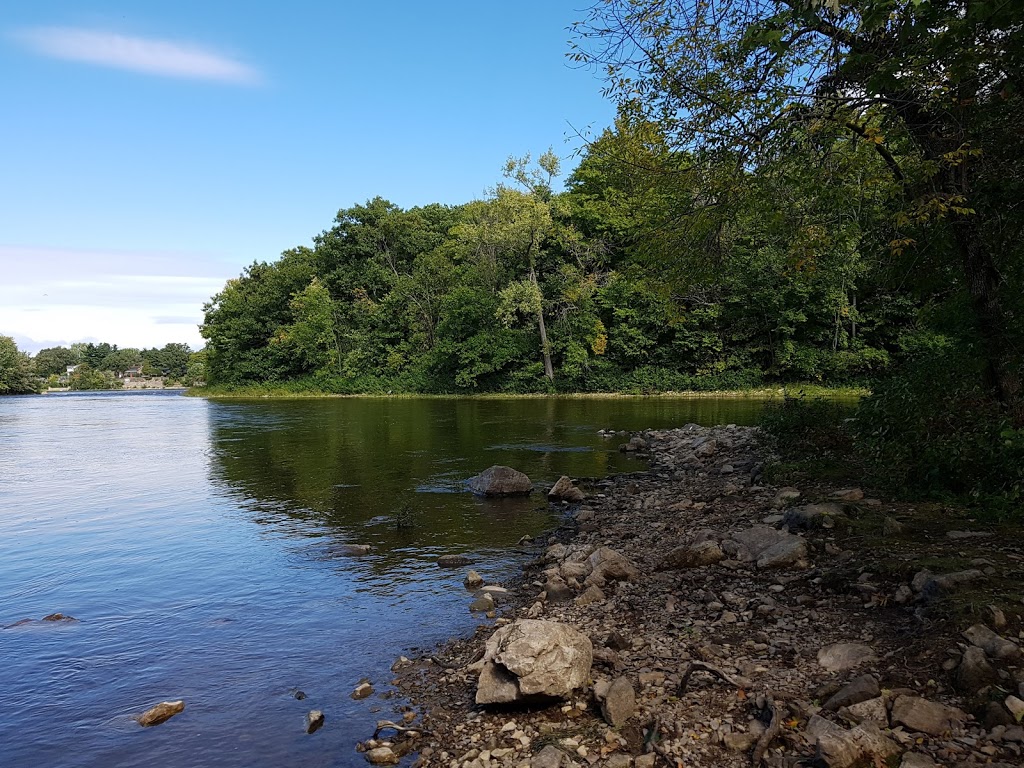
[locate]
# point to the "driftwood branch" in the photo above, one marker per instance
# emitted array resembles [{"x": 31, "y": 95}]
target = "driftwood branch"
[
  {"x": 700, "y": 666},
  {"x": 383, "y": 725},
  {"x": 774, "y": 729}
]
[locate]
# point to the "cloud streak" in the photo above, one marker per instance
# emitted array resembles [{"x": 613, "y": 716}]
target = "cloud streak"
[{"x": 137, "y": 54}]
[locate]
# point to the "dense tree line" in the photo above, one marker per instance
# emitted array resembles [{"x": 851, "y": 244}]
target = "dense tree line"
[
  {"x": 95, "y": 366},
  {"x": 532, "y": 290}
]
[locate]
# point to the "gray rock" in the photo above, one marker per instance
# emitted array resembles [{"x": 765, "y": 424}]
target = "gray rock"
[
  {"x": 549, "y": 757},
  {"x": 739, "y": 741},
  {"x": 573, "y": 570},
  {"x": 917, "y": 760},
  {"x": 454, "y": 561},
  {"x": 872, "y": 710},
  {"x": 544, "y": 659},
  {"x": 995, "y": 715},
  {"x": 791, "y": 552},
  {"x": 917, "y": 714},
  {"x": 161, "y": 713},
  {"x": 1016, "y": 707},
  {"x": 482, "y": 604},
  {"x": 314, "y": 720},
  {"x": 848, "y": 494},
  {"x": 840, "y": 657},
  {"x": 995, "y": 646},
  {"x": 564, "y": 490},
  {"x": 362, "y": 690},
  {"x": 784, "y": 496},
  {"x": 355, "y": 550},
  {"x": 496, "y": 685},
  {"x": 591, "y": 594},
  {"x": 473, "y": 580},
  {"x": 382, "y": 756},
  {"x": 558, "y": 591},
  {"x": 753, "y": 541},
  {"x": 500, "y": 481},
  {"x": 861, "y": 689},
  {"x": 961, "y": 535},
  {"x": 608, "y": 565},
  {"x": 619, "y": 703},
  {"x": 693, "y": 556},
  {"x": 863, "y": 745},
  {"x": 892, "y": 527},
  {"x": 921, "y": 578},
  {"x": 945, "y": 583},
  {"x": 974, "y": 671},
  {"x": 813, "y": 516}
]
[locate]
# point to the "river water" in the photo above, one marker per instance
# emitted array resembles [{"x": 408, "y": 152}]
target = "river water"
[{"x": 199, "y": 545}]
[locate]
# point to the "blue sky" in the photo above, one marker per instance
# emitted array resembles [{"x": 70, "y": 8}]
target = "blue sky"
[{"x": 151, "y": 150}]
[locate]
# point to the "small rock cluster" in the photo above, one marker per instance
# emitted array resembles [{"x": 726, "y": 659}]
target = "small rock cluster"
[{"x": 692, "y": 615}]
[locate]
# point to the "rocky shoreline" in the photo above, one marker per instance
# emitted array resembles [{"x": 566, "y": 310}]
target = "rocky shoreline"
[{"x": 721, "y": 621}]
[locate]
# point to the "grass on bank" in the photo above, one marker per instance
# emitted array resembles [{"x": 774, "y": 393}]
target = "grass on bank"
[{"x": 298, "y": 390}]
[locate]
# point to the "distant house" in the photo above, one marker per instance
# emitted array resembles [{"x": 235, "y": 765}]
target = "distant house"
[
  {"x": 134, "y": 372},
  {"x": 71, "y": 369}
]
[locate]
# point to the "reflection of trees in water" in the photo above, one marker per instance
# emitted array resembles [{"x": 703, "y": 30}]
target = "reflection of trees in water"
[{"x": 349, "y": 469}]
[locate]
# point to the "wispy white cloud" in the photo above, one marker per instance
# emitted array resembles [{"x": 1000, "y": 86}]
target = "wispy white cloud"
[
  {"x": 138, "y": 54},
  {"x": 134, "y": 299}
]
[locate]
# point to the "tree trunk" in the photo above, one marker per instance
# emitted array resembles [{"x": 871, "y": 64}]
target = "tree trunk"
[
  {"x": 983, "y": 286},
  {"x": 549, "y": 371}
]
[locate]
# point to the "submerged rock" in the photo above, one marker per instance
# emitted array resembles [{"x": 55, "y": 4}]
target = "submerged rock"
[
  {"x": 500, "y": 481},
  {"x": 355, "y": 550},
  {"x": 162, "y": 712},
  {"x": 454, "y": 561}
]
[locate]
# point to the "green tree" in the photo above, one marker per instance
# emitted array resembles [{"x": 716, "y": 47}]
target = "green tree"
[
  {"x": 120, "y": 360},
  {"x": 15, "y": 369},
  {"x": 54, "y": 361},
  {"x": 931, "y": 87}
]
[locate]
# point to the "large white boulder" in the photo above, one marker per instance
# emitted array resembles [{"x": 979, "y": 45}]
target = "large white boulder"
[{"x": 533, "y": 659}]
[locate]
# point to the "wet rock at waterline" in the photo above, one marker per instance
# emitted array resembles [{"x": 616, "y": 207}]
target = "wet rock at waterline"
[
  {"x": 473, "y": 580},
  {"x": 314, "y": 720},
  {"x": 531, "y": 659},
  {"x": 500, "y": 481},
  {"x": 454, "y": 561},
  {"x": 382, "y": 756},
  {"x": 564, "y": 490},
  {"x": 355, "y": 550},
  {"x": 362, "y": 690},
  {"x": 161, "y": 713}
]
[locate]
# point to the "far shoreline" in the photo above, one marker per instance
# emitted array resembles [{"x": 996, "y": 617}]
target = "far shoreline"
[{"x": 761, "y": 393}]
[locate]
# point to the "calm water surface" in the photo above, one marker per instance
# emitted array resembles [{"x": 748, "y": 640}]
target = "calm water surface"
[{"x": 199, "y": 544}]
